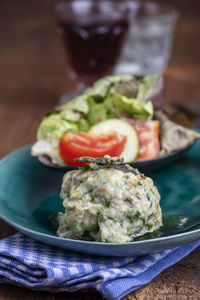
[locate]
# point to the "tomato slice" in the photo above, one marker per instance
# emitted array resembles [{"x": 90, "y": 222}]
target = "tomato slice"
[
  {"x": 76, "y": 144},
  {"x": 148, "y": 135}
]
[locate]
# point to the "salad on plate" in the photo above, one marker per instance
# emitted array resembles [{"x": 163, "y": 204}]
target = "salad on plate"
[{"x": 117, "y": 116}]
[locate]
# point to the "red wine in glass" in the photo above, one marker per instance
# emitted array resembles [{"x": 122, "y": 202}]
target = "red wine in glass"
[
  {"x": 92, "y": 32},
  {"x": 92, "y": 46}
]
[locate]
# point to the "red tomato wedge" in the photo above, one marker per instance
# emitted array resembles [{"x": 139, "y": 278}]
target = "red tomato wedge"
[
  {"x": 76, "y": 144},
  {"x": 148, "y": 135}
]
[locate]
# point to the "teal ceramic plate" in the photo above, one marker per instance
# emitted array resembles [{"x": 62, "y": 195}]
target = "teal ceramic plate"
[{"x": 29, "y": 194}]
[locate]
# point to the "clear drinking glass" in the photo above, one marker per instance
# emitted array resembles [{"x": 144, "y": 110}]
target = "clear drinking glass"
[
  {"x": 92, "y": 33},
  {"x": 148, "y": 43}
]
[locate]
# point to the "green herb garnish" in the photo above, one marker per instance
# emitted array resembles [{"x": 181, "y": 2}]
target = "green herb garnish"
[{"x": 106, "y": 162}]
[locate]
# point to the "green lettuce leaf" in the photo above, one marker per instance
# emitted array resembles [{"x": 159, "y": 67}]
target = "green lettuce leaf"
[
  {"x": 83, "y": 125},
  {"x": 127, "y": 88},
  {"x": 146, "y": 86},
  {"x": 78, "y": 104},
  {"x": 53, "y": 127},
  {"x": 107, "y": 98},
  {"x": 70, "y": 115},
  {"x": 133, "y": 107},
  {"x": 101, "y": 87},
  {"x": 114, "y": 94},
  {"x": 98, "y": 112}
]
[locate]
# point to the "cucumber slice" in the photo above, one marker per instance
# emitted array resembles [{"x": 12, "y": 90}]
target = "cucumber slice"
[{"x": 122, "y": 128}]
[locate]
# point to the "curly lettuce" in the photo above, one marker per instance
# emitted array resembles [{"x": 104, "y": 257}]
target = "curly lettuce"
[
  {"x": 53, "y": 127},
  {"x": 107, "y": 98},
  {"x": 174, "y": 137}
]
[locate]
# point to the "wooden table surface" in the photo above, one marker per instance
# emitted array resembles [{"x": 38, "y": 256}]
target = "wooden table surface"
[{"x": 33, "y": 75}]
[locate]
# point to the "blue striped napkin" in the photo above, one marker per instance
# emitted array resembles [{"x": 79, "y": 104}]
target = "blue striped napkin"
[{"x": 29, "y": 263}]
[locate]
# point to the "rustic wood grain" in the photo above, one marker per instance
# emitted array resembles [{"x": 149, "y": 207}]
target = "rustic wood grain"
[{"x": 33, "y": 75}]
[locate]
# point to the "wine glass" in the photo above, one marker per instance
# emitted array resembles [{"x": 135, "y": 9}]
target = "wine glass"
[{"x": 92, "y": 33}]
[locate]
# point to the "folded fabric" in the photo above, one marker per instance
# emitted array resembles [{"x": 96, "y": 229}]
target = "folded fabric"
[{"x": 32, "y": 264}]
